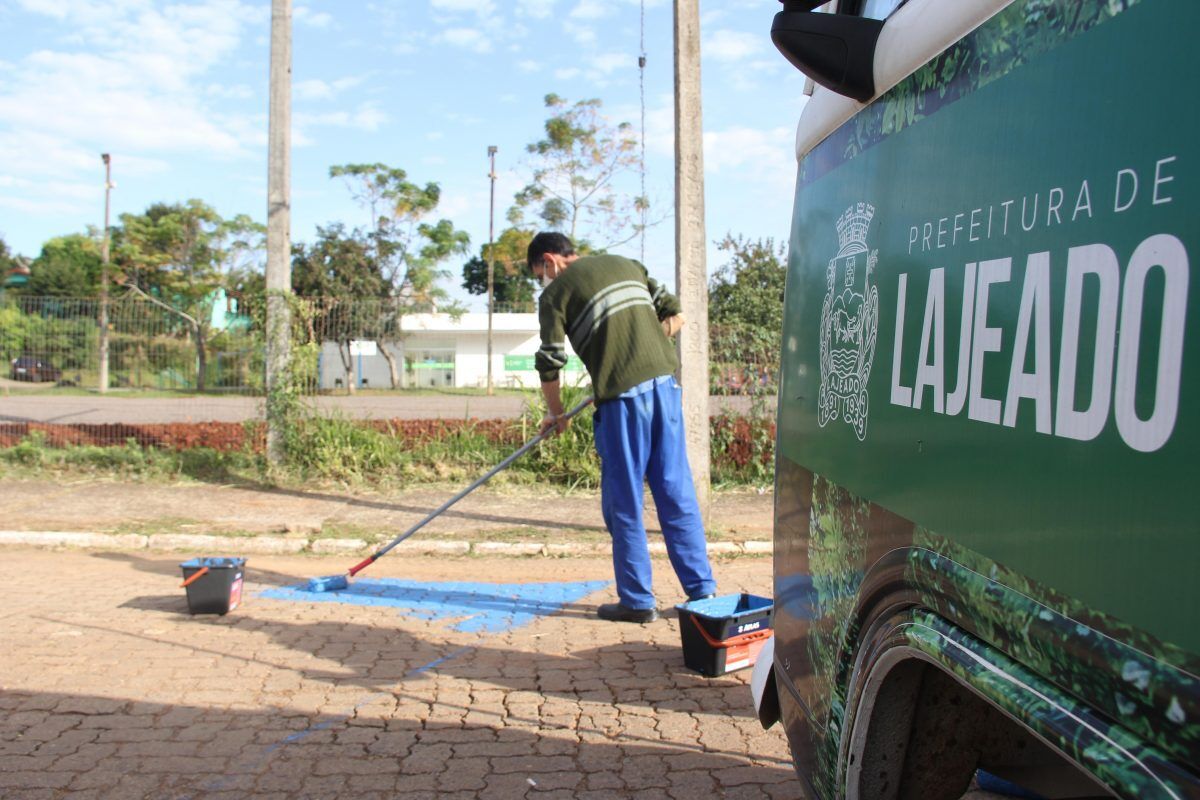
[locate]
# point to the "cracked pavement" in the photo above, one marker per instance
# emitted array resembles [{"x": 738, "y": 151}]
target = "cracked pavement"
[{"x": 108, "y": 688}]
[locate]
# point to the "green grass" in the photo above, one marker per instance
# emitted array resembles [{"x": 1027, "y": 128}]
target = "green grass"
[
  {"x": 34, "y": 457},
  {"x": 336, "y": 451}
]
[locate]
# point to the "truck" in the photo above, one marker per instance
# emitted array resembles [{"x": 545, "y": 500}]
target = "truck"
[{"x": 986, "y": 555}]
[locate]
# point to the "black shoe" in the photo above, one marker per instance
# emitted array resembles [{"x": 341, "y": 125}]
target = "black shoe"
[
  {"x": 708, "y": 596},
  {"x": 615, "y": 612}
]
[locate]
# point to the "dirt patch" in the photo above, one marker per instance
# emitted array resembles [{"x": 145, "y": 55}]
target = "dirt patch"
[{"x": 503, "y": 513}]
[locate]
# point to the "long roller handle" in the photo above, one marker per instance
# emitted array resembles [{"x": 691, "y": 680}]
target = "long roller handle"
[{"x": 525, "y": 448}]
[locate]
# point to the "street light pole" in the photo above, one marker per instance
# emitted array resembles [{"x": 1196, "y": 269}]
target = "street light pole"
[
  {"x": 491, "y": 262},
  {"x": 103, "y": 377}
]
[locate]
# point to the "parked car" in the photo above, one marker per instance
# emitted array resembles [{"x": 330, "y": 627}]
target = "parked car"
[
  {"x": 986, "y": 552},
  {"x": 35, "y": 370}
]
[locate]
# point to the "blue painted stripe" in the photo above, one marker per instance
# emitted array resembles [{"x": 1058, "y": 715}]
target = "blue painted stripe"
[{"x": 477, "y": 607}]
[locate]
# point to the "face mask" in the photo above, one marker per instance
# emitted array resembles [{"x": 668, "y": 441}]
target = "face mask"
[{"x": 546, "y": 279}]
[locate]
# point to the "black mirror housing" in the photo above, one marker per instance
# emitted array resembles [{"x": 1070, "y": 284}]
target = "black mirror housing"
[{"x": 835, "y": 50}]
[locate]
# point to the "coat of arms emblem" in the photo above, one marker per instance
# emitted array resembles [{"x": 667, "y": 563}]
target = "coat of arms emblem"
[{"x": 849, "y": 321}]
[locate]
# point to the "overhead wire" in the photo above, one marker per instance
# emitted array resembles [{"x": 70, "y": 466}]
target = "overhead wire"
[{"x": 642, "y": 202}]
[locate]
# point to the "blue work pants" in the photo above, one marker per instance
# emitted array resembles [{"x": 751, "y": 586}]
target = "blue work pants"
[{"x": 640, "y": 438}]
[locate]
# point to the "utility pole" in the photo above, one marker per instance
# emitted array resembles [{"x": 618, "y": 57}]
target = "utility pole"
[
  {"x": 491, "y": 262},
  {"x": 279, "y": 275},
  {"x": 103, "y": 378},
  {"x": 691, "y": 274}
]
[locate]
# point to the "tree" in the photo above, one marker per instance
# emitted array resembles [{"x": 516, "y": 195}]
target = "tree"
[
  {"x": 68, "y": 266},
  {"x": 341, "y": 275},
  {"x": 180, "y": 255},
  {"x": 745, "y": 315},
  {"x": 406, "y": 248},
  {"x": 7, "y": 260},
  {"x": 575, "y": 172},
  {"x": 512, "y": 282}
]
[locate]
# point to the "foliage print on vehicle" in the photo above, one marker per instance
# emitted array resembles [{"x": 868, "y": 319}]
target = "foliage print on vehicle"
[
  {"x": 837, "y": 547},
  {"x": 1106, "y": 749},
  {"x": 1015, "y": 36},
  {"x": 1147, "y": 684},
  {"x": 849, "y": 323},
  {"x": 969, "y": 604}
]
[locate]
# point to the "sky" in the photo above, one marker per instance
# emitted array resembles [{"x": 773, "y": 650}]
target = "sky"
[{"x": 176, "y": 92}]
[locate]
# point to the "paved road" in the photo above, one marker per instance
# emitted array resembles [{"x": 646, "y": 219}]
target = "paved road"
[
  {"x": 32, "y": 407},
  {"x": 108, "y": 689}
]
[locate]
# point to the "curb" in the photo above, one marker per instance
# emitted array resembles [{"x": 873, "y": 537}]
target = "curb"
[{"x": 295, "y": 545}]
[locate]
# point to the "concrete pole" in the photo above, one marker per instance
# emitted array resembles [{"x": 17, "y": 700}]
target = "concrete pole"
[
  {"x": 691, "y": 274},
  {"x": 104, "y": 257},
  {"x": 279, "y": 273},
  {"x": 491, "y": 261}
]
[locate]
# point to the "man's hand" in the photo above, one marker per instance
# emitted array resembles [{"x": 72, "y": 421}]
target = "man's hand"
[
  {"x": 560, "y": 423},
  {"x": 672, "y": 325},
  {"x": 555, "y": 414}
]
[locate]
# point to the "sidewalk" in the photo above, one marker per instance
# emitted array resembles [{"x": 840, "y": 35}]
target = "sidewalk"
[
  {"x": 502, "y": 520},
  {"x": 109, "y": 689}
]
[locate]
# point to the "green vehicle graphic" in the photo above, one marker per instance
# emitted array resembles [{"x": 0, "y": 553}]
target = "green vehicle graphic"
[{"x": 986, "y": 551}]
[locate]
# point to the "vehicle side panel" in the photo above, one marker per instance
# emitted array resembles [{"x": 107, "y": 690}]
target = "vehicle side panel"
[{"x": 989, "y": 356}]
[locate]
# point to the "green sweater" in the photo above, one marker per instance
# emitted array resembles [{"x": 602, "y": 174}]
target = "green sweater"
[{"x": 610, "y": 309}]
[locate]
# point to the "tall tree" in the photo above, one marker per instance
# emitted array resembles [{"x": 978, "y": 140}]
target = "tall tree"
[
  {"x": 510, "y": 289},
  {"x": 179, "y": 255},
  {"x": 6, "y": 258},
  {"x": 339, "y": 272},
  {"x": 68, "y": 266},
  {"x": 576, "y": 171},
  {"x": 746, "y": 314},
  {"x": 407, "y": 248}
]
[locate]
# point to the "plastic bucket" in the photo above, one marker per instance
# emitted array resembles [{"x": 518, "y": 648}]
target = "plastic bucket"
[
  {"x": 214, "y": 585},
  {"x": 724, "y": 634}
]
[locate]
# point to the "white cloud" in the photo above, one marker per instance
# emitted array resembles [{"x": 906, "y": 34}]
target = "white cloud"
[
  {"x": 467, "y": 38},
  {"x": 312, "y": 19},
  {"x": 485, "y": 10},
  {"x": 367, "y": 117},
  {"x": 239, "y": 91},
  {"x": 567, "y": 73},
  {"x": 583, "y": 34},
  {"x": 609, "y": 63},
  {"x": 133, "y": 81},
  {"x": 769, "y": 154},
  {"x": 591, "y": 9},
  {"x": 529, "y": 66},
  {"x": 727, "y": 45},
  {"x": 316, "y": 89},
  {"x": 538, "y": 9},
  {"x": 312, "y": 90}
]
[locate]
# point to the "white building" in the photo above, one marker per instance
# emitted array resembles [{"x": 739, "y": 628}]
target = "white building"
[{"x": 437, "y": 351}]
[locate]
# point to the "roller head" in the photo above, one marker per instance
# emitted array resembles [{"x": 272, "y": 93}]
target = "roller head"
[{"x": 329, "y": 583}]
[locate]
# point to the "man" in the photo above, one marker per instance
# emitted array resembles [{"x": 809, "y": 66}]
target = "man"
[{"x": 619, "y": 322}]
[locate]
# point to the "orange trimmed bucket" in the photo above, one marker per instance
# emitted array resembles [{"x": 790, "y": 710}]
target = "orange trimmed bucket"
[
  {"x": 724, "y": 634},
  {"x": 214, "y": 585}
]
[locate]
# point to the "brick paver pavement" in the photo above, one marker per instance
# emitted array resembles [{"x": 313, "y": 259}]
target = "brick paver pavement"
[{"x": 109, "y": 689}]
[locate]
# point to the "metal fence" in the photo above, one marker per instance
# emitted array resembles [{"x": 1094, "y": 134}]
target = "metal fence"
[{"x": 204, "y": 365}]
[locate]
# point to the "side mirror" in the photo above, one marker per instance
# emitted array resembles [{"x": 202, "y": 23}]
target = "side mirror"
[{"x": 835, "y": 50}]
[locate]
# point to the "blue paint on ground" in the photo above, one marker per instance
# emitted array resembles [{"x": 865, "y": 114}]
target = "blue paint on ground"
[{"x": 478, "y": 607}]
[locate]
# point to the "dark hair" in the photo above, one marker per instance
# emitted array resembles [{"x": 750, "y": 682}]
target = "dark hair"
[{"x": 548, "y": 242}]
